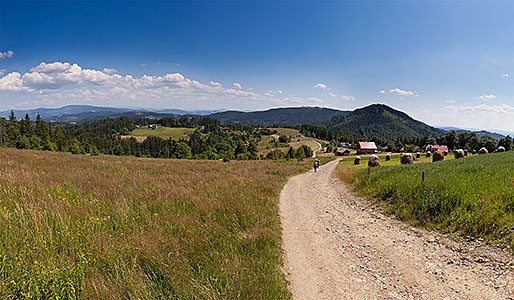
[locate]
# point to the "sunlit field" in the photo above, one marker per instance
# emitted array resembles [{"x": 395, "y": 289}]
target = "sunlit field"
[
  {"x": 75, "y": 226},
  {"x": 471, "y": 196}
]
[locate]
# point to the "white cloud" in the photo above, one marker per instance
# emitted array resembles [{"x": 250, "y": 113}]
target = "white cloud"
[
  {"x": 7, "y": 54},
  {"x": 314, "y": 99},
  {"x": 449, "y": 101},
  {"x": 506, "y": 75},
  {"x": 110, "y": 71},
  {"x": 496, "y": 110},
  {"x": 488, "y": 97},
  {"x": 214, "y": 83},
  {"x": 12, "y": 82},
  {"x": 280, "y": 92},
  {"x": 382, "y": 92},
  {"x": 397, "y": 91},
  {"x": 237, "y": 85},
  {"x": 320, "y": 86},
  {"x": 347, "y": 98},
  {"x": 2, "y": 71},
  {"x": 332, "y": 94}
]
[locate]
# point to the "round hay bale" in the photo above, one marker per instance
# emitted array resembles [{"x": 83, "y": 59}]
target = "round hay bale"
[
  {"x": 357, "y": 160},
  {"x": 418, "y": 155},
  {"x": 438, "y": 155},
  {"x": 483, "y": 150},
  {"x": 407, "y": 158},
  {"x": 459, "y": 153},
  {"x": 374, "y": 161},
  {"x": 428, "y": 154},
  {"x": 474, "y": 151},
  {"x": 465, "y": 152},
  {"x": 501, "y": 149},
  {"x": 388, "y": 156}
]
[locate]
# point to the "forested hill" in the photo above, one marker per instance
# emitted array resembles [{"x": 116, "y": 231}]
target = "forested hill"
[
  {"x": 279, "y": 116},
  {"x": 381, "y": 121}
]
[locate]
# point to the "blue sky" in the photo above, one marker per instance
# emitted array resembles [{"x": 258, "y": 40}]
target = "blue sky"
[{"x": 443, "y": 62}]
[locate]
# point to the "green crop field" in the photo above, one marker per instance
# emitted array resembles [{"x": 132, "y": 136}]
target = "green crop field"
[
  {"x": 76, "y": 226},
  {"x": 473, "y": 196},
  {"x": 162, "y": 132}
]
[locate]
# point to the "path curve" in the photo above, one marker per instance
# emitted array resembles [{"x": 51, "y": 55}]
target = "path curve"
[
  {"x": 336, "y": 246},
  {"x": 319, "y": 148}
]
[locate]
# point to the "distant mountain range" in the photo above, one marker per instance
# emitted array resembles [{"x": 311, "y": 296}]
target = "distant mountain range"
[
  {"x": 375, "y": 120},
  {"x": 279, "y": 116},
  {"x": 480, "y": 133}
]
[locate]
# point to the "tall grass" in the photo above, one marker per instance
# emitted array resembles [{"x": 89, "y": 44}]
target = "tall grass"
[
  {"x": 73, "y": 226},
  {"x": 473, "y": 196}
]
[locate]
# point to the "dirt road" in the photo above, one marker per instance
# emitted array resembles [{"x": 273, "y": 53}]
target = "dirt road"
[{"x": 339, "y": 247}]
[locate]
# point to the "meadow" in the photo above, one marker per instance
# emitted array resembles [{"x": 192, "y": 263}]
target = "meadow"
[
  {"x": 472, "y": 196},
  {"x": 163, "y": 132},
  {"x": 296, "y": 140},
  {"x": 82, "y": 227}
]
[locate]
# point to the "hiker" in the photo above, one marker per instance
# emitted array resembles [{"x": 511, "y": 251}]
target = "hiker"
[{"x": 316, "y": 165}]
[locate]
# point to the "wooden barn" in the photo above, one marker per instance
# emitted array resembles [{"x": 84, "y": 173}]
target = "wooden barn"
[
  {"x": 342, "y": 152},
  {"x": 366, "y": 148}
]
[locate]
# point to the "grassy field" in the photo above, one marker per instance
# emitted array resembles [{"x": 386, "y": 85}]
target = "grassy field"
[
  {"x": 163, "y": 132},
  {"x": 296, "y": 140},
  {"x": 395, "y": 160},
  {"x": 473, "y": 196},
  {"x": 75, "y": 226}
]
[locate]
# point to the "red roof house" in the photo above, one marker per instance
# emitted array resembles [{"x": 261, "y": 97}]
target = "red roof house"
[
  {"x": 442, "y": 148},
  {"x": 366, "y": 147}
]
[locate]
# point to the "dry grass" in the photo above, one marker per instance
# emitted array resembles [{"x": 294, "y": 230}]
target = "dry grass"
[{"x": 76, "y": 226}]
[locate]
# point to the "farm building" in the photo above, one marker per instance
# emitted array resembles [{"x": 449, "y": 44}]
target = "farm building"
[
  {"x": 366, "y": 147},
  {"x": 153, "y": 126},
  {"x": 442, "y": 148},
  {"x": 342, "y": 152},
  {"x": 345, "y": 144}
]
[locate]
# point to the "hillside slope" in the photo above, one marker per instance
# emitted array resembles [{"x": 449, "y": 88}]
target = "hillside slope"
[
  {"x": 382, "y": 121},
  {"x": 278, "y": 116}
]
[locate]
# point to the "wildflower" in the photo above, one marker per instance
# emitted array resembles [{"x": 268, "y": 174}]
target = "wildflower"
[{"x": 155, "y": 214}]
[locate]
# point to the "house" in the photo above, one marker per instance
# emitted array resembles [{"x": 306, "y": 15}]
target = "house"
[
  {"x": 366, "y": 147},
  {"x": 342, "y": 152},
  {"x": 226, "y": 128},
  {"x": 345, "y": 144},
  {"x": 153, "y": 126},
  {"x": 442, "y": 148}
]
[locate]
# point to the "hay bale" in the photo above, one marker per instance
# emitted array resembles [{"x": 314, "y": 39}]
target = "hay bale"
[
  {"x": 483, "y": 150},
  {"x": 374, "y": 161},
  {"x": 418, "y": 155},
  {"x": 445, "y": 153},
  {"x": 459, "y": 153},
  {"x": 407, "y": 158},
  {"x": 428, "y": 154},
  {"x": 465, "y": 152},
  {"x": 501, "y": 149},
  {"x": 438, "y": 155},
  {"x": 388, "y": 157},
  {"x": 474, "y": 151},
  {"x": 357, "y": 160}
]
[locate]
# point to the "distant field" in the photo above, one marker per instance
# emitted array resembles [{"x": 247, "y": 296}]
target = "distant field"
[
  {"x": 395, "y": 160},
  {"x": 473, "y": 196},
  {"x": 75, "y": 226},
  {"x": 163, "y": 132},
  {"x": 296, "y": 142}
]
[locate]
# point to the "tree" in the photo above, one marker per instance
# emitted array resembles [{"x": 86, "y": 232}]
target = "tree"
[
  {"x": 75, "y": 147},
  {"x": 181, "y": 151},
  {"x": 290, "y": 153},
  {"x": 300, "y": 153},
  {"x": 284, "y": 139},
  {"x": 506, "y": 142},
  {"x": 488, "y": 142},
  {"x": 450, "y": 138},
  {"x": 118, "y": 150}
]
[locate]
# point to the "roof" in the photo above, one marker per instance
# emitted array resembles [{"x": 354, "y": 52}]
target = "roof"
[
  {"x": 442, "y": 148},
  {"x": 367, "y": 145},
  {"x": 342, "y": 150}
]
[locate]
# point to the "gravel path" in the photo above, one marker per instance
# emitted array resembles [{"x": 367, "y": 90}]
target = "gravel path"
[{"x": 337, "y": 246}]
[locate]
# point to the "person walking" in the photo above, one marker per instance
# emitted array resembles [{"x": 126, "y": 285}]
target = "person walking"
[{"x": 316, "y": 165}]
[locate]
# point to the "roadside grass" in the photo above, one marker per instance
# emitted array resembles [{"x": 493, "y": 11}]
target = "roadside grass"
[
  {"x": 473, "y": 196},
  {"x": 80, "y": 227},
  {"x": 162, "y": 132}
]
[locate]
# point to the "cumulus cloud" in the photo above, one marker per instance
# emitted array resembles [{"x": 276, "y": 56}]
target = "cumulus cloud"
[
  {"x": 398, "y": 91},
  {"x": 314, "y": 99},
  {"x": 63, "y": 82},
  {"x": 320, "y": 86},
  {"x": 347, "y": 98},
  {"x": 2, "y": 71},
  {"x": 332, "y": 94},
  {"x": 488, "y": 97},
  {"x": 506, "y": 75},
  {"x": 492, "y": 110},
  {"x": 7, "y": 54}
]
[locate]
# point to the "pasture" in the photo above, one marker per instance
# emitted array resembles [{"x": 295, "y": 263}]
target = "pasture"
[
  {"x": 163, "y": 132},
  {"x": 472, "y": 196},
  {"x": 296, "y": 140},
  {"x": 76, "y": 226}
]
